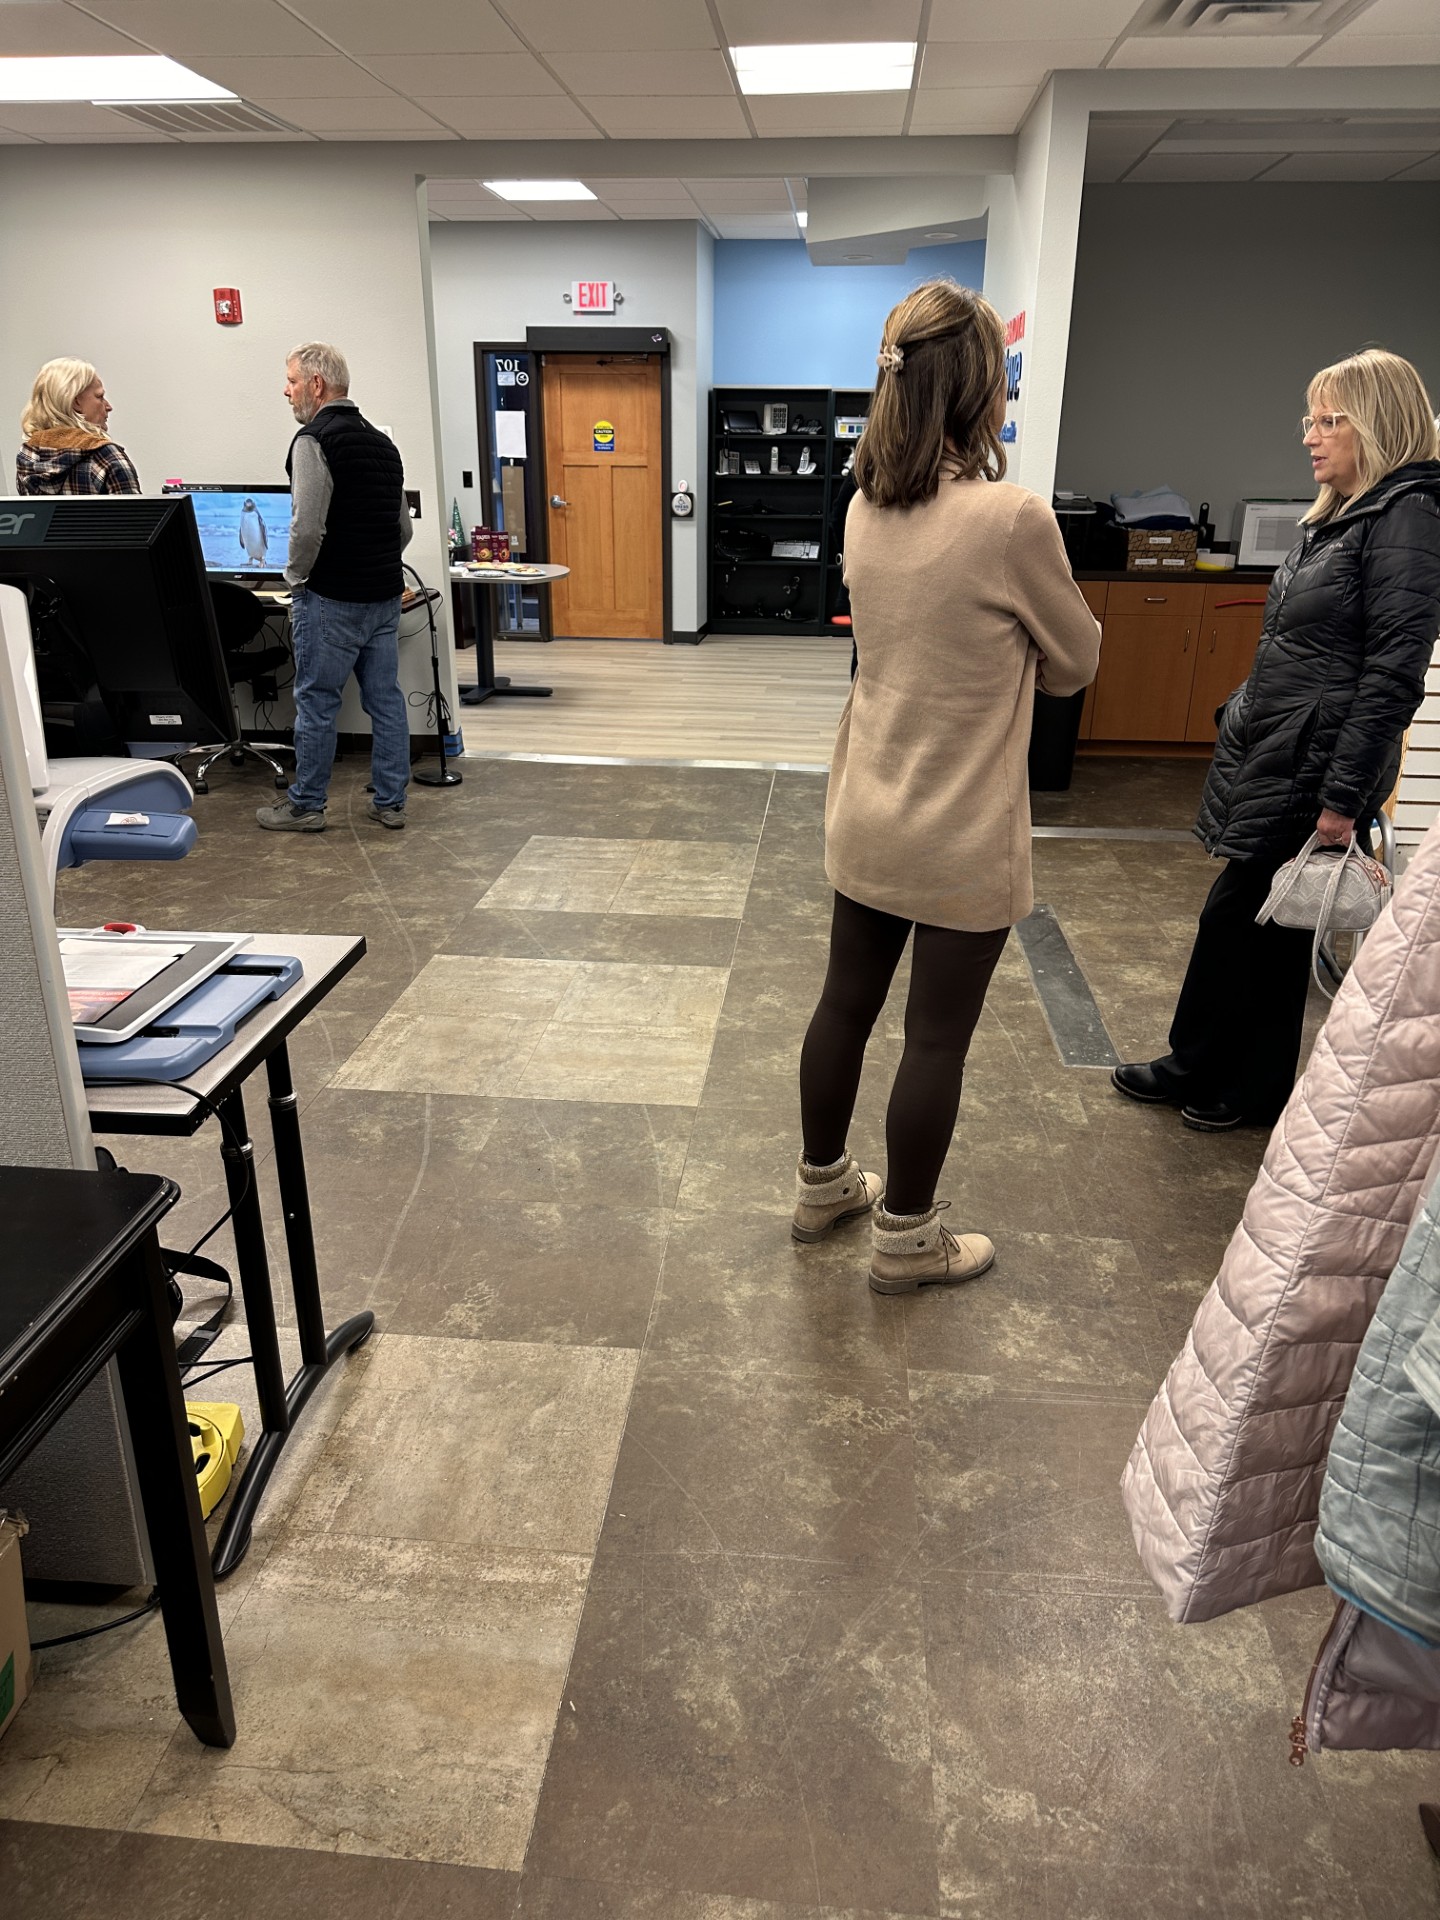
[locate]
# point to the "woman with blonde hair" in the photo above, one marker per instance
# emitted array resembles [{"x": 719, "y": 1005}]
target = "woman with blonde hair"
[
  {"x": 67, "y": 447},
  {"x": 1311, "y": 743},
  {"x": 963, "y": 603}
]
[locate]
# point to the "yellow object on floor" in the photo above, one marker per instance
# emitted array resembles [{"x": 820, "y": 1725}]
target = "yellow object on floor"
[{"x": 217, "y": 1432}]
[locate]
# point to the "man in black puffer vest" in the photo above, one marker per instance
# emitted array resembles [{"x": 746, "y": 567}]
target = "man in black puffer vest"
[{"x": 349, "y": 525}]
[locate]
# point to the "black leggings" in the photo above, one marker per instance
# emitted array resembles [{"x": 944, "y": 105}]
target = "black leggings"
[{"x": 950, "y": 972}]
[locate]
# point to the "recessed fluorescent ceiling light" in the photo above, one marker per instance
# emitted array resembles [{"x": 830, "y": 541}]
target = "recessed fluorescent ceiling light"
[
  {"x": 539, "y": 189},
  {"x": 126, "y": 78},
  {"x": 802, "y": 219},
  {"x": 864, "y": 66}
]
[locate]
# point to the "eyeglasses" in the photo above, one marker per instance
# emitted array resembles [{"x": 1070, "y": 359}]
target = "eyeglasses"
[{"x": 1322, "y": 423}]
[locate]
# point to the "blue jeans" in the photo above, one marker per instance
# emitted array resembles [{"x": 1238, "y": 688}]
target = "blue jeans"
[{"x": 333, "y": 639}]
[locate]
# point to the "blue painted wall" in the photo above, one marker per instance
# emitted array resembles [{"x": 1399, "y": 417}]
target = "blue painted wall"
[{"x": 780, "y": 320}]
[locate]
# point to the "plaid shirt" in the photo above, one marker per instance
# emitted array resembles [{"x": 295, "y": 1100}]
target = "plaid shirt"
[{"x": 93, "y": 466}]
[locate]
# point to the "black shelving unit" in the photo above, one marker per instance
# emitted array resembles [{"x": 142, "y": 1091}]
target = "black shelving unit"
[
  {"x": 848, "y": 405},
  {"x": 752, "y": 590}
]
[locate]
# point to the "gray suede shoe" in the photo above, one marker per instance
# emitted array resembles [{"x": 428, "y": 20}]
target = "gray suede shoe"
[
  {"x": 827, "y": 1196},
  {"x": 913, "y": 1250},
  {"x": 286, "y": 817}
]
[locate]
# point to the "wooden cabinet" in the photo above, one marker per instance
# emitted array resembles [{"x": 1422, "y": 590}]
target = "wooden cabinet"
[
  {"x": 1229, "y": 634},
  {"x": 1172, "y": 652},
  {"x": 1147, "y": 661},
  {"x": 1096, "y": 593}
]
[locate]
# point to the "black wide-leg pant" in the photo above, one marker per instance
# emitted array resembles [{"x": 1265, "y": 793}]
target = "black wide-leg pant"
[{"x": 1235, "y": 1038}]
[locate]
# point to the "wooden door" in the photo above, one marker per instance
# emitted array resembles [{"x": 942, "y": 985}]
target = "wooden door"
[
  {"x": 1147, "y": 662},
  {"x": 1229, "y": 635},
  {"x": 604, "y": 467}
]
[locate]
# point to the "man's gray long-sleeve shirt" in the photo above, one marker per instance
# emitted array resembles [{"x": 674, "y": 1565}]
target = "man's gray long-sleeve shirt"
[{"x": 311, "y": 487}]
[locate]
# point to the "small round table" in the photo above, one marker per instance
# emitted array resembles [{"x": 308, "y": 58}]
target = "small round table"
[{"x": 488, "y": 575}]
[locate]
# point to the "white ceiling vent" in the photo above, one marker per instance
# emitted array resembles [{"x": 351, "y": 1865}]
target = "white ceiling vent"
[
  {"x": 1205, "y": 19},
  {"x": 208, "y": 116}
]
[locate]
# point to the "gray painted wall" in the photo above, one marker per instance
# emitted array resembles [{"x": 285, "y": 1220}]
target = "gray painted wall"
[{"x": 1200, "y": 313}]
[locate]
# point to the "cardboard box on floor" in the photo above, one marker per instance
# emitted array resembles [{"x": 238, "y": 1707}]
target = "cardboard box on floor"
[{"x": 14, "y": 1633}]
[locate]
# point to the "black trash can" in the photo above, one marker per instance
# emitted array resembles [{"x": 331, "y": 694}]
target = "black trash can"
[{"x": 1053, "y": 739}]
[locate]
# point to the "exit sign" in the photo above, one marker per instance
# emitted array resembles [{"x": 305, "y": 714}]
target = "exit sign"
[{"x": 592, "y": 296}]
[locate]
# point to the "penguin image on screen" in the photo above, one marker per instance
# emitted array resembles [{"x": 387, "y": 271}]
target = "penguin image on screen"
[{"x": 253, "y": 537}]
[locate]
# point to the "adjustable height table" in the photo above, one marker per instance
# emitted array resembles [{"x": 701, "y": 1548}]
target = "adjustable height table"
[{"x": 176, "y": 1111}]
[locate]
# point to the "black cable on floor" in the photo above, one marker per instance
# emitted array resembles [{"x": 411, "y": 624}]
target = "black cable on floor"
[{"x": 89, "y": 1633}]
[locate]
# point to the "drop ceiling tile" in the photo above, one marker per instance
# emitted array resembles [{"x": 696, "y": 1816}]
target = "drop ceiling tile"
[
  {"x": 1255, "y": 50},
  {"x": 1341, "y": 166},
  {"x": 761, "y": 23},
  {"x": 478, "y": 76},
  {"x": 1112, "y": 150},
  {"x": 799, "y": 190},
  {"x": 1198, "y": 166},
  {"x": 440, "y": 191},
  {"x": 828, "y": 113},
  {"x": 1427, "y": 170},
  {"x": 45, "y": 26},
  {"x": 541, "y": 117},
  {"x": 47, "y": 118},
  {"x": 362, "y": 135},
  {"x": 739, "y": 196},
  {"x": 1029, "y": 19},
  {"x": 580, "y": 26},
  {"x": 358, "y": 118},
  {"x": 303, "y": 76},
  {"x": 454, "y": 216},
  {"x": 1393, "y": 16},
  {"x": 9, "y": 138},
  {"x": 134, "y": 138},
  {"x": 613, "y": 74},
  {"x": 618, "y": 191},
  {"x": 757, "y": 226},
  {"x": 419, "y": 26},
  {"x": 970, "y": 109},
  {"x": 1378, "y": 50},
  {"x": 239, "y": 26},
  {"x": 674, "y": 117},
  {"x": 565, "y": 211},
  {"x": 1005, "y": 63}
]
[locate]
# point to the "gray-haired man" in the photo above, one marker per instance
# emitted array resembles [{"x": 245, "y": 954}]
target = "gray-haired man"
[{"x": 349, "y": 525}]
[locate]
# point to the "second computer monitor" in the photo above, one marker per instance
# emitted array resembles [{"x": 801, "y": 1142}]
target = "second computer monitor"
[{"x": 244, "y": 531}]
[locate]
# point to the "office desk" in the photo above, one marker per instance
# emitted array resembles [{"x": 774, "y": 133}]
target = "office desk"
[
  {"x": 489, "y": 685},
  {"x": 175, "y": 1111},
  {"x": 84, "y": 1282}
]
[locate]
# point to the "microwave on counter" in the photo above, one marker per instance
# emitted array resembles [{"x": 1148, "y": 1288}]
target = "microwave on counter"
[{"x": 1266, "y": 530}]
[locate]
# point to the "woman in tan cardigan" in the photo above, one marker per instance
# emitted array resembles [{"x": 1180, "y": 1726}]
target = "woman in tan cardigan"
[{"x": 963, "y": 603}]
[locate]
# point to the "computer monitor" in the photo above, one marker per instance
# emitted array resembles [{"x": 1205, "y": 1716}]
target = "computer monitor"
[
  {"x": 121, "y": 620},
  {"x": 244, "y": 531}
]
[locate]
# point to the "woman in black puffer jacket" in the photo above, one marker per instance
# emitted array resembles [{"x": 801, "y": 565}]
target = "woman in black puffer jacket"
[{"x": 1312, "y": 741}]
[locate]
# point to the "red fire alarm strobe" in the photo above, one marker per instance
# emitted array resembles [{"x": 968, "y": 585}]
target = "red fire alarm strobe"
[{"x": 227, "y": 306}]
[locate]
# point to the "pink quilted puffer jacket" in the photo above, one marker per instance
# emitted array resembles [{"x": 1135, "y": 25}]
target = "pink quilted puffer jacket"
[{"x": 1223, "y": 1484}]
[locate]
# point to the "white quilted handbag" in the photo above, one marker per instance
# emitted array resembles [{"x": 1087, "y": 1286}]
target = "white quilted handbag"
[{"x": 1331, "y": 889}]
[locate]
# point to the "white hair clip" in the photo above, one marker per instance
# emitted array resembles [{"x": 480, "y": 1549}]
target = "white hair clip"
[{"x": 891, "y": 359}]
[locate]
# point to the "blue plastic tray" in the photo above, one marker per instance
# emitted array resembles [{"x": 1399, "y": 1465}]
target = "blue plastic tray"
[{"x": 197, "y": 1027}]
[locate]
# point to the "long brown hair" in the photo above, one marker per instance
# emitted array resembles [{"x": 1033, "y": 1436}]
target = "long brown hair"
[{"x": 942, "y": 367}]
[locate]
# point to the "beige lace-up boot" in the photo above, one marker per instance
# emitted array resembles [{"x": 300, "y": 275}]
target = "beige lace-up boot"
[
  {"x": 913, "y": 1250},
  {"x": 826, "y": 1196}
]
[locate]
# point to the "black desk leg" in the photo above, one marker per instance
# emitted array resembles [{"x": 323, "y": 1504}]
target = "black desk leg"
[
  {"x": 318, "y": 1351},
  {"x": 155, "y": 1411},
  {"x": 490, "y": 685},
  {"x": 316, "y": 1348}
]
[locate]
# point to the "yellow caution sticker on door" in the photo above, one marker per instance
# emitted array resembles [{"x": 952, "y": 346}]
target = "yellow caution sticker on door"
[{"x": 604, "y": 437}]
